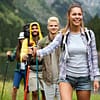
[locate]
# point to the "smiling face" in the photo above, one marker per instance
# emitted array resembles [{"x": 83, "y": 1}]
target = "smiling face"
[
  {"x": 75, "y": 17},
  {"x": 35, "y": 30},
  {"x": 53, "y": 27}
]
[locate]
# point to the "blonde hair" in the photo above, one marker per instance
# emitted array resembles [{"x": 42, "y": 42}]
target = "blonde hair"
[
  {"x": 64, "y": 30},
  {"x": 53, "y": 18}
]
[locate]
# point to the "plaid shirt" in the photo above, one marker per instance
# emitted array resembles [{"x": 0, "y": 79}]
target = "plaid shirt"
[{"x": 91, "y": 55}]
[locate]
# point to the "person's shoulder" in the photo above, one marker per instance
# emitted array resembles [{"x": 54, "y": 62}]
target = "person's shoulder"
[
  {"x": 88, "y": 29},
  {"x": 26, "y": 39},
  {"x": 43, "y": 39},
  {"x": 90, "y": 33}
]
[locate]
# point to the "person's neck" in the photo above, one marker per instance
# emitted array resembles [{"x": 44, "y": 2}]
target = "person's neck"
[
  {"x": 75, "y": 29},
  {"x": 36, "y": 38},
  {"x": 51, "y": 36}
]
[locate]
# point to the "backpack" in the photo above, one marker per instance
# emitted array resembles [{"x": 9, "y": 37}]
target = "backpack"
[
  {"x": 87, "y": 35},
  {"x": 26, "y": 30}
]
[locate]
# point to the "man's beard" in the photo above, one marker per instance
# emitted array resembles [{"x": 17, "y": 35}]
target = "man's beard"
[{"x": 35, "y": 35}]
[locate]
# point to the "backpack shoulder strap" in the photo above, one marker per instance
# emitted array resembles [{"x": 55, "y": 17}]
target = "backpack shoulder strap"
[
  {"x": 88, "y": 35},
  {"x": 62, "y": 41}
]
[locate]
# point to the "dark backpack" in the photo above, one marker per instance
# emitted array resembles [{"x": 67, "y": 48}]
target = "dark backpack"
[{"x": 26, "y": 29}]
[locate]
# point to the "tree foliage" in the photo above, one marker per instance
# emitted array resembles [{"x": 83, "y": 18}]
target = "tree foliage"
[
  {"x": 13, "y": 19},
  {"x": 94, "y": 24}
]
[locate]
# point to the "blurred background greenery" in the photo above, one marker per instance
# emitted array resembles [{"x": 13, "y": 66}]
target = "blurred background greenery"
[{"x": 16, "y": 13}]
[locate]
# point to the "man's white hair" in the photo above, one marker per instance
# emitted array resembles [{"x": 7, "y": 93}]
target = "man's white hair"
[{"x": 53, "y": 18}]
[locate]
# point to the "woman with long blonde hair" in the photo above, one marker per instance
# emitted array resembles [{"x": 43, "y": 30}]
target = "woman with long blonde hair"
[{"x": 78, "y": 61}]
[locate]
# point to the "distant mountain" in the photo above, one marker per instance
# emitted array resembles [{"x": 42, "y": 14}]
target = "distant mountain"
[
  {"x": 90, "y": 6},
  {"x": 42, "y": 9}
]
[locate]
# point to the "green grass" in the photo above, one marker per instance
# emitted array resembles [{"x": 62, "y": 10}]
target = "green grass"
[
  {"x": 8, "y": 90},
  {"x": 20, "y": 96},
  {"x": 95, "y": 96}
]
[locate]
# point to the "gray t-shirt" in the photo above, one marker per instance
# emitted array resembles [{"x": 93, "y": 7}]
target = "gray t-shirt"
[{"x": 77, "y": 63}]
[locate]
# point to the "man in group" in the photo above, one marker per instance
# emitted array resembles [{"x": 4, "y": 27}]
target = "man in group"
[
  {"x": 34, "y": 35},
  {"x": 50, "y": 62}
]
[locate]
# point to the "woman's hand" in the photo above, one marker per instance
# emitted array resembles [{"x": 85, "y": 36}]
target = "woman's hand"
[
  {"x": 30, "y": 50},
  {"x": 96, "y": 86},
  {"x": 24, "y": 58}
]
